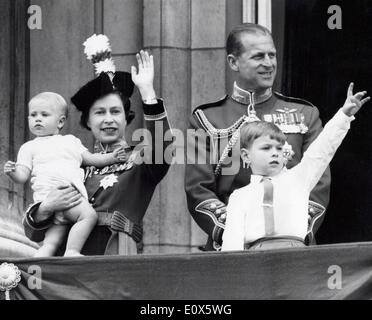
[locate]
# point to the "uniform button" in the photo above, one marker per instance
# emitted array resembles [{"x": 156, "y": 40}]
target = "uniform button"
[
  {"x": 213, "y": 206},
  {"x": 312, "y": 210},
  {"x": 218, "y": 212},
  {"x": 92, "y": 200},
  {"x": 223, "y": 217}
]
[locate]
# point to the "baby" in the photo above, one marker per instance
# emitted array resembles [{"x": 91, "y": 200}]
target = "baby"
[
  {"x": 51, "y": 160},
  {"x": 272, "y": 211}
]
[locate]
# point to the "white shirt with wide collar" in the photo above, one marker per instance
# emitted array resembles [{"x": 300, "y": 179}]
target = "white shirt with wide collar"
[{"x": 292, "y": 187}]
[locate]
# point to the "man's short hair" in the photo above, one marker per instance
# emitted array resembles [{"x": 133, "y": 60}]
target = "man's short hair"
[
  {"x": 54, "y": 99},
  {"x": 253, "y": 130},
  {"x": 233, "y": 43}
]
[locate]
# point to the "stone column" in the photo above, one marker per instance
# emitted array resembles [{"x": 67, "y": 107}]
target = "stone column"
[
  {"x": 32, "y": 61},
  {"x": 14, "y": 76},
  {"x": 187, "y": 40},
  {"x": 57, "y": 60}
]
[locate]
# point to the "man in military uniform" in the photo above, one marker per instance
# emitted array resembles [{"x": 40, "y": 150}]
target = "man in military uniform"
[{"x": 251, "y": 54}]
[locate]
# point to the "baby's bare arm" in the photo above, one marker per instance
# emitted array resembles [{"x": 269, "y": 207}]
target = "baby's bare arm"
[
  {"x": 18, "y": 173},
  {"x": 102, "y": 160}
]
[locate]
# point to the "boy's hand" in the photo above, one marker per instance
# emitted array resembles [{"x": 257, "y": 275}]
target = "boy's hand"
[
  {"x": 120, "y": 154},
  {"x": 354, "y": 101},
  {"x": 9, "y": 167}
]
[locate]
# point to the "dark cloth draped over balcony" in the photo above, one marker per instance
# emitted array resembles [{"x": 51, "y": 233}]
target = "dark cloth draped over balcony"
[{"x": 321, "y": 272}]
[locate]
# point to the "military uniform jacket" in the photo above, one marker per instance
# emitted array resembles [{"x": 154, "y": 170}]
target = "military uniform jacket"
[
  {"x": 208, "y": 190},
  {"x": 119, "y": 193}
]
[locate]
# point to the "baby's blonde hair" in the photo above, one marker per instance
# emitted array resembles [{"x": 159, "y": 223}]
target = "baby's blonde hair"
[{"x": 54, "y": 99}]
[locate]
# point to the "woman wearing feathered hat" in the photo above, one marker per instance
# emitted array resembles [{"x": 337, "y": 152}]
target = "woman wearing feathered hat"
[{"x": 119, "y": 193}]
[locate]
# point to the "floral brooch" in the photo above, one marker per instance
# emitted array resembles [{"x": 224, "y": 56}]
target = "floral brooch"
[
  {"x": 10, "y": 276},
  {"x": 108, "y": 181}
]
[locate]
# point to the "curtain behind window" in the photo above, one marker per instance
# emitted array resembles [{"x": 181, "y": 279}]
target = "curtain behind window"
[{"x": 318, "y": 65}]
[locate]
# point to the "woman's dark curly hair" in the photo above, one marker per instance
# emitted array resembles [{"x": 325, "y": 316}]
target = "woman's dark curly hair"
[{"x": 129, "y": 114}]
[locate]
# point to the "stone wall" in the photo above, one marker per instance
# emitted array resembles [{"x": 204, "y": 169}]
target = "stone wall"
[{"x": 14, "y": 79}]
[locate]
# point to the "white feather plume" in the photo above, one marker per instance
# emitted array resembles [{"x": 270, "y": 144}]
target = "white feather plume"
[
  {"x": 96, "y": 44},
  {"x": 105, "y": 66}
]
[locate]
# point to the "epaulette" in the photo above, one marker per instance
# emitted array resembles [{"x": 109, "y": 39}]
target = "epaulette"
[
  {"x": 212, "y": 104},
  {"x": 292, "y": 99},
  {"x": 213, "y": 131}
]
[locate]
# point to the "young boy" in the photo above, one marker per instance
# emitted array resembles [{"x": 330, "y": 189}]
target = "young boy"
[
  {"x": 51, "y": 160},
  {"x": 272, "y": 211}
]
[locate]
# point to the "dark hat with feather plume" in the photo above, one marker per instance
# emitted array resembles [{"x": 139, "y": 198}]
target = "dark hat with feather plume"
[{"x": 108, "y": 80}]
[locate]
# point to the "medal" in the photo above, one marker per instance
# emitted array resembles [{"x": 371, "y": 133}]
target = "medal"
[
  {"x": 288, "y": 152},
  {"x": 303, "y": 126},
  {"x": 288, "y": 120}
]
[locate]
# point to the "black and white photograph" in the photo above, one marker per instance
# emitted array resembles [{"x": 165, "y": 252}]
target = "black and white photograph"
[{"x": 185, "y": 154}]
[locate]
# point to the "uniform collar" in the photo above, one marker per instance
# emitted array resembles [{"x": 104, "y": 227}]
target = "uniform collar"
[
  {"x": 106, "y": 148},
  {"x": 250, "y": 97}
]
